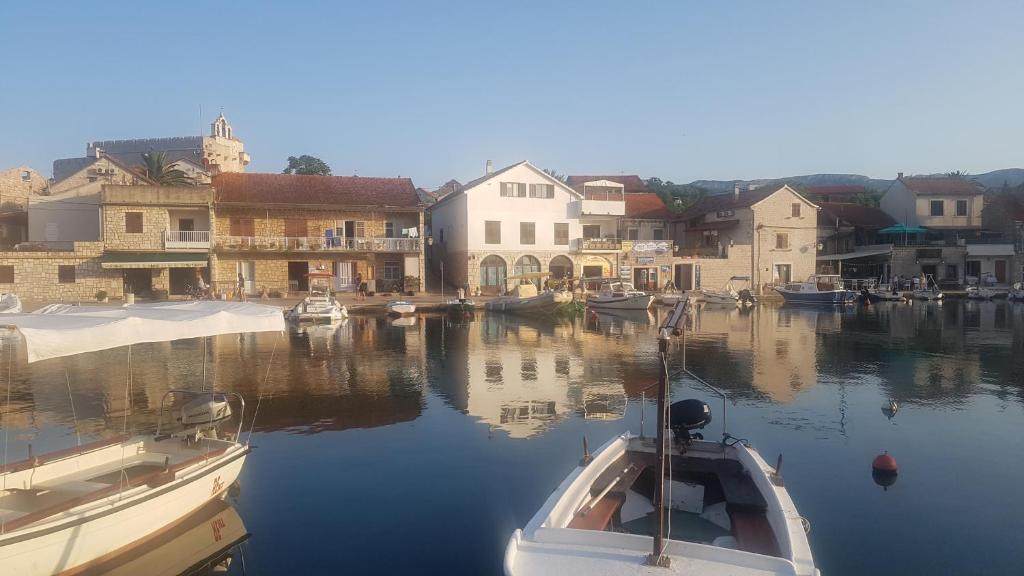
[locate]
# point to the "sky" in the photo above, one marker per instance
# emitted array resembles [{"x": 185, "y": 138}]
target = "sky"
[{"x": 432, "y": 90}]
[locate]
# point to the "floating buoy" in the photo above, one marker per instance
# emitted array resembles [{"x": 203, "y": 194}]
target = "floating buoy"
[{"x": 884, "y": 470}]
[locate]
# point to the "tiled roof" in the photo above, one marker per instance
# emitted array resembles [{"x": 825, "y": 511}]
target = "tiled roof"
[
  {"x": 250, "y": 188},
  {"x": 727, "y": 201},
  {"x": 631, "y": 183},
  {"x": 853, "y": 215},
  {"x": 940, "y": 185},
  {"x": 647, "y": 206}
]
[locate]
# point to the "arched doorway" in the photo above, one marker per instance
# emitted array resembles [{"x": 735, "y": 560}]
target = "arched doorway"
[
  {"x": 526, "y": 265},
  {"x": 560, "y": 268},
  {"x": 492, "y": 275}
]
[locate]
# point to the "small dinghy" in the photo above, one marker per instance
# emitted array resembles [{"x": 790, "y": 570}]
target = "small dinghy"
[
  {"x": 460, "y": 306},
  {"x": 525, "y": 300},
  {"x": 930, "y": 291},
  {"x": 400, "y": 308},
  {"x": 619, "y": 296},
  {"x": 642, "y": 505},
  {"x": 728, "y": 294},
  {"x": 980, "y": 293},
  {"x": 1016, "y": 293},
  {"x": 10, "y": 303}
]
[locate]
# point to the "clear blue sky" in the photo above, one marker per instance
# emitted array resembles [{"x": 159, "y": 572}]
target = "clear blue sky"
[{"x": 432, "y": 90}]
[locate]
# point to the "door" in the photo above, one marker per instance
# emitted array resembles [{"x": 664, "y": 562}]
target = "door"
[
  {"x": 684, "y": 277},
  {"x": 783, "y": 273},
  {"x": 138, "y": 281},
  {"x": 645, "y": 279},
  {"x": 1000, "y": 271},
  {"x": 298, "y": 281},
  {"x": 248, "y": 272},
  {"x": 186, "y": 224},
  {"x": 345, "y": 276}
]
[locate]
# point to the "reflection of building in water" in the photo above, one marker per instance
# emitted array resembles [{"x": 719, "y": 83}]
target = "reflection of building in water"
[{"x": 778, "y": 345}]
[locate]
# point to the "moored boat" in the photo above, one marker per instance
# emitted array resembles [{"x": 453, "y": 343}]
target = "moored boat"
[
  {"x": 10, "y": 303},
  {"x": 526, "y": 300},
  {"x": 460, "y": 306},
  {"x": 66, "y": 510},
  {"x": 818, "y": 289},
  {"x": 319, "y": 305},
  {"x": 728, "y": 294},
  {"x": 400, "y": 308},
  {"x": 718, "y": 509},
  {"x": 981, "y": 293},
  {"x": 1016, "y": 293},
  {"x": 930, "y": 290},
  {"x": 885, "y": 292},
  {"x": 616, "y": 295}
]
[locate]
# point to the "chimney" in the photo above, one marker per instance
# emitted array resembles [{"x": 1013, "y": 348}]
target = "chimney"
[
  {"x": 736, "y": 191},
  {"x": 899, "y": 175},
  {"x": 490, "y": 167},
  {"x": 98, "y": 151}
]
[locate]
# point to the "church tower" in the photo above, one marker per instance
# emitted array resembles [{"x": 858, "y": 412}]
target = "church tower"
[
  {"x": 222, "y": 152},
  {"x": 220, "y": 128}
]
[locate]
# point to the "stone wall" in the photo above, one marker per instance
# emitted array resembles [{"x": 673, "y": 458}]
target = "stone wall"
[
  {"x": 317, "y": 221},
  {"x": 17, "y": 185},
  {"x": 154, "y": 221},
  {"x": 36, "y": 276},
  {"x": 715, "y": 272},
  {"x": 472, "y": 265},
  {"x": 271, "y": 270}
]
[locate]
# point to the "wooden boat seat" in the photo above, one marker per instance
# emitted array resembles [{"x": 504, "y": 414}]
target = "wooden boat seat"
[
  {"x": 753, "y": 533},
  {"x": 602, "y": 514},
  {"x": 741, "y": 494},
  {"x": 58, "y": 454}
]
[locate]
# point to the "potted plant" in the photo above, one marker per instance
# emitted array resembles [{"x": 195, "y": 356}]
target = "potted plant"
[
  {"x": 129, "y": 293},
  {"x": 101, "y": 296}
]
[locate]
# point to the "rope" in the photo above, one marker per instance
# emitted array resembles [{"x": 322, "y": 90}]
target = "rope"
[
  {"x": 7, "y": 431},
  {"x": 127, "y": 408},
  {"x": 74, "y": 415},
  {"x": 259, "y": 400}
]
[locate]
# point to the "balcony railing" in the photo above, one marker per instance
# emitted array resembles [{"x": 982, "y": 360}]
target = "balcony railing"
[
  {"x": 601, "y": 244},
  {"x": 317, "y": 243},
  {"x": 187, "y": 239}
]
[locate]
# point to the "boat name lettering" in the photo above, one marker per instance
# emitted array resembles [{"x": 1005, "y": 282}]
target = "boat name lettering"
[{"x": 217, "y": 524}]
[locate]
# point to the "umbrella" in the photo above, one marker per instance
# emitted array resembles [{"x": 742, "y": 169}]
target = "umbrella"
[{"x": 902, "y": 229}]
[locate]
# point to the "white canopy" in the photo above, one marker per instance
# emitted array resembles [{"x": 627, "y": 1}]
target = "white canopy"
[{"x": 63, "y": 330}]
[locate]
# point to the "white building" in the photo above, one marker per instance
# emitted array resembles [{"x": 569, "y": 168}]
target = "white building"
[{"x": 518, "y": 220}]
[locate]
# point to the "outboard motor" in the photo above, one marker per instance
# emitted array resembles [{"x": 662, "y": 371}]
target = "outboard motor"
[
  {"x": 206, "y": 409},
  {"x": 687, "y": 415},
  {"x": 746, "y": 297}
]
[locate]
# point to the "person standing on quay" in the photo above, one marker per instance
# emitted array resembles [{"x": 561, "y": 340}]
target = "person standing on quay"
[
  {"x": 360, "y": 286},
  {"x": 241, "y": 287}
]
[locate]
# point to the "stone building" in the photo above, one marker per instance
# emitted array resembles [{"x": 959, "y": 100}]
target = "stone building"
[
  {"x": 767, "y": 235},
  {"x": 72, "y": 274},
  {"x": 18, "y": 185},
  {"x": 274, "y": 228}
]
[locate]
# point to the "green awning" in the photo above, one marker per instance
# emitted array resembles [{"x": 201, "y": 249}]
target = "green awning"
[
  {"x": 153, "y": 260},
  {"x": 902, "y": 229}
]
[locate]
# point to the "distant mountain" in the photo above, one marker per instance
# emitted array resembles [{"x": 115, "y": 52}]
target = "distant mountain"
[{"x": 994, "y": 179}]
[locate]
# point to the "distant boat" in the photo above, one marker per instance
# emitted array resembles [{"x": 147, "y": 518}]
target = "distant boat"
[
  {"x": 728, "y": 294},
  {"x": 980, "y": 293},
  {"x": 818, "y": 289},
  {"x": 10, "y": 303},
  {"x": 885, "y": 292},
  {"x": 1017, "y": 292},
  {"x": 619, "y": 296},
  {"x": 526, "y": 300},
  {"x": 930, "y": 291},
  {"x": 460, "y": 306},
  {"x": 318, "y": 305},
  {"x": 401, "y": 308}
]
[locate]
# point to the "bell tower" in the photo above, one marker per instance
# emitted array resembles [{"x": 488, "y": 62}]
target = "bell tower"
[{"x": 220, "y": 128}]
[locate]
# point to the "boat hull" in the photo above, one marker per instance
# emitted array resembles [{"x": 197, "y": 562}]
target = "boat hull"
[
  {"x": 401, "y": 309},
  {"x": 829, "y": 297},
  {"x": 714, "y": 297},
  {"x": 621, "y": 302},
  {"x": 72, "y": 544},
  {"x": 928, "y": 295},
  {"x": 546, "y": 303}
]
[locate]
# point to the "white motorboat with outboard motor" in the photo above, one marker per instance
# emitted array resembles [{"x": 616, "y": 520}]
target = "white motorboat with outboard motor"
[
  {"x": 617, "y": 295},
  {"x": 319, "y": 305}
]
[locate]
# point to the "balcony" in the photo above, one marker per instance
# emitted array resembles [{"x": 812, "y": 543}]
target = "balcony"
[
  {"x": 600, "y": 244},
  {"x": 701, "y": 252},
  {"x": 316, "y": 243},
  {"x": 186, "y": 239}
]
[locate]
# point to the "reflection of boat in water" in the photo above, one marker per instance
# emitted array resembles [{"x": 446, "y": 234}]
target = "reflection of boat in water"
[
  {"x": 526, "y": 300},
  {"x": 619, "y": 296},
  {"x": 403, "y": 321},
  {"x": 727, "y": 510},
  {"x": 203, "y": 543},
  {"x": 818, "y": 289},
  {"x": 634, "y": 316},
  {"x": 66, "y": 509}
]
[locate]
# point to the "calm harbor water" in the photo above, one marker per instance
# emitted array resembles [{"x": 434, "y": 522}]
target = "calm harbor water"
[{"x": 384, "y": 449}]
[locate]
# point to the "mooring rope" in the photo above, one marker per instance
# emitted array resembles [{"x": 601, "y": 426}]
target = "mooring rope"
[{"x": 7, "y": 431}]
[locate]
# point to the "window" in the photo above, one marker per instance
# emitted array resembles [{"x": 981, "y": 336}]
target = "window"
[
  {"x": 937, "y": 207},
  {"x": 527, "y": 233},
  {"x": 295, "y": 228},
  {"x": 961, "y": 207},
  {"x": 658, "y": 233},
  {"x": 492, "y": 232},
  {"x": 561, "y": 234},
  {"x": 591, "y": 231},
  {"x": 542, "y": 190},
  {"x": 133, "y": 222},
  {"x": 796, "y": 210},
  {"x": 513, "y": 189},
  {"x": 709, "y": 238},
  {"x": 392, "y": 270},
  {"x": 632, "y": 233},
  {"x": 973, "y": 269},
  {"x": 725, "y": 213},
  {"x": 66, "y": 274},
  {"x": 360, "y": 229},
  {"x": 389, "y": 229},
  {"x": 7, "y": 274},
  {"x": 242, "y": 227},
  {"x": 781, "y": 241}
]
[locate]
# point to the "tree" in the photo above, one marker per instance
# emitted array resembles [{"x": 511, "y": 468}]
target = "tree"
[
  {"x": 958, "y": 174},
  {"x": 309, "y": 165},
  {"x": 678, "y": 197},
  {"x": 555, "y": 175},
  {"x": 869, "y": 197},
  {"x": 154, "y": 166}
]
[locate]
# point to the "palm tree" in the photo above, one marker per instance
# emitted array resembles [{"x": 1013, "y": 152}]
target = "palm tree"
[{"x": 155, "y": 168}]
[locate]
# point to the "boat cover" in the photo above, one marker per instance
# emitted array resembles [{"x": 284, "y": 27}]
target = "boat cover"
[{"x": 64, "y": 330}]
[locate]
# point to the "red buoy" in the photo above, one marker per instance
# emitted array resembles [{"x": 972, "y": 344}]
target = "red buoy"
[{"x": 884, "y": 463}]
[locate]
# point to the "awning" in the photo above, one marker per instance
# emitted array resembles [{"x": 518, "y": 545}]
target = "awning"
[
  {"x": 858, "y": 254},
  {"x": 990, "y": 249},
  {"x": 902, "y": 229},
  {"x": 716, "y": 225},
  {"x": 153, "y": 260}
]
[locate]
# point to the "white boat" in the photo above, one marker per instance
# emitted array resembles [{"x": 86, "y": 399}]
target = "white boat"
[
  {"x": 885, "y": 292},
  {"x": 10, "y": 303},
  {"x": 669, "y": 298},
  {"x": 930, "y": 291},
  {"x": 728, "y": 294},
  {"x": 526, "y": 300},
  {"x": 728, "y": 512},
  {"x": 818, "y": 289},
  {"x": 71, "y": 509},
  {"x": 1017, "y": 292},
  {"x": 981, "y": 293},
  {"x": 318, "y": 305},
  {"x": 620, "y": 296},
  {"x": 401, "y": 308}
]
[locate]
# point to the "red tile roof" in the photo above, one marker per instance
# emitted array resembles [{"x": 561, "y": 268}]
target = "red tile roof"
[
  {"x": 250, "y": 188},
  {"x": 940, "y": 185},
  {"x": 632, "y": 184},
  {"x": 853, "y": 215},
  {"x": 647, "y": 206},
  {"x": 727, "y": 201}
]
